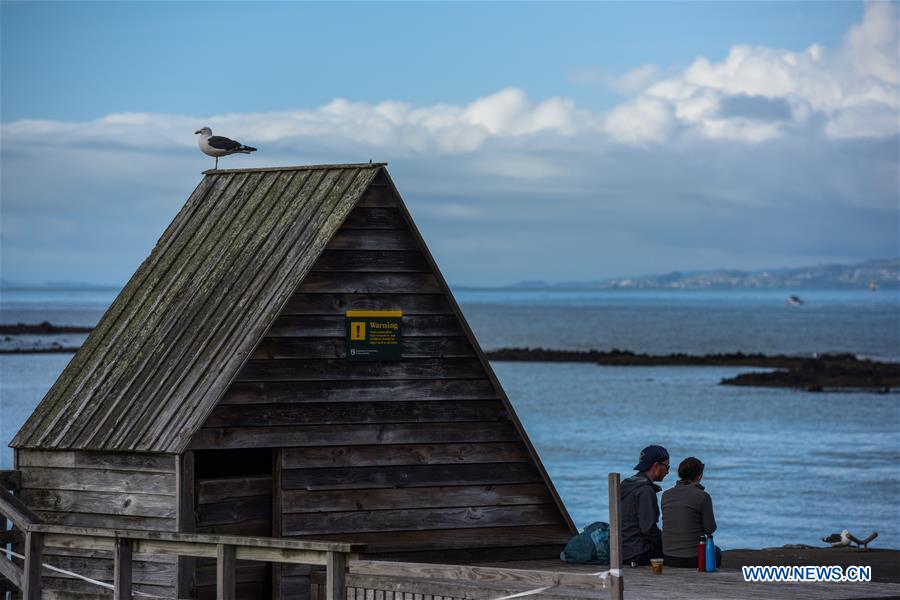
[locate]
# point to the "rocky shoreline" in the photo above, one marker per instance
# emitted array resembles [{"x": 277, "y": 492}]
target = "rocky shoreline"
[
  {"x": 43, "y": 328},
  {"x": 819, "y": 373},
  {"x": 41, "y": 338},
  {"x": 51, "y": 349},
  {"x": 828, "y": 371}
]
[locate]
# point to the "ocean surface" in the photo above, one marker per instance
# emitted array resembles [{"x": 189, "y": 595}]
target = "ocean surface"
[{"x": 783, "y": 466}]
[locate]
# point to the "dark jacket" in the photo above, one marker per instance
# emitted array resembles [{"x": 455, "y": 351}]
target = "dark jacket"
[
  {"x": 687, "y": 512},
  {"x": 640, "y": 513}
]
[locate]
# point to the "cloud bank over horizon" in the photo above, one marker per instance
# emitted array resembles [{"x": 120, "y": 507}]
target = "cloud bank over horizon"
[{"x": 762, "y": 158}]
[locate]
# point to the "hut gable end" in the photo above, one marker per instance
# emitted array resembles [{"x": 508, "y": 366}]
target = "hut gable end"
[
  {"x": 178, "y": 333},
  {"x": 419, "y": 458}
]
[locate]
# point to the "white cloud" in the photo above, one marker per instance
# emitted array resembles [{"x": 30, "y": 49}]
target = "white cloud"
[
  {"x": 455, "y": 210},
  {"x": 849, "y": 92},
  {"x": 520, "y": 166},
  {"x": 853, "y": 88},
  {"x": 626, "y": 84},
  {"x": 642, "y": 120},
  {"x": 869, "y": 120},
  {"x": 871, "y": 46},
  {"x": 441, "y": 128}
]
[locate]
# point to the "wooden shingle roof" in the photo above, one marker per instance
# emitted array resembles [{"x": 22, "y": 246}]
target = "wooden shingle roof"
[{"x": 177, "y": 334}]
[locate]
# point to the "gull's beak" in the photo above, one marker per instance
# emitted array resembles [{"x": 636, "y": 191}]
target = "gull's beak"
[{"x": 196, "y": 132}]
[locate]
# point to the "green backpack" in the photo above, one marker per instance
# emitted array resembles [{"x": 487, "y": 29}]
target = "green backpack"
[{"x": 589, "y": 546}]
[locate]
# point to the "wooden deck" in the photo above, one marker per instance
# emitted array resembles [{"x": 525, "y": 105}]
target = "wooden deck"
[
  {"x": 553, "y": 580},
  {"x": 675, "y": 584}
]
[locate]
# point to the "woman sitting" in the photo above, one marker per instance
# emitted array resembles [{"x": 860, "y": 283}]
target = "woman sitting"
[{"x": 687, "y": 514}]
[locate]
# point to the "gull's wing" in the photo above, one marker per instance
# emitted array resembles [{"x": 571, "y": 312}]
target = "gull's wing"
[{"x": 222, "y": 143}]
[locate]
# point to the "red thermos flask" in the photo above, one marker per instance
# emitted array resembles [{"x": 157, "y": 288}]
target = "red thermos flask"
[{"x": 701, "y": 554}]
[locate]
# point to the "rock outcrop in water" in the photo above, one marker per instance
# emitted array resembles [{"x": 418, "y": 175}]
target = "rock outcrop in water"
[
  {"x": 828, "y": 371},
  {"x": 41, "y": 338},
  {"x": 43, "y": 328}
]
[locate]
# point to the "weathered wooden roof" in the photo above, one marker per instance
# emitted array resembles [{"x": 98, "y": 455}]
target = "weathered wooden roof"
[{"x": 180, "y": 330}]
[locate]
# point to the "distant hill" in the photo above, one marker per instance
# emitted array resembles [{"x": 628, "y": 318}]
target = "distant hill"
[
  {"x": 6, "y": 284},
  {"x": 884, "y": 273}
]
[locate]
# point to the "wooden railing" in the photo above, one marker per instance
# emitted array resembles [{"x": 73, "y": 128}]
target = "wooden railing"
[
  {"x": 423, "y": 580},
  {"x": 124, "y": 543}
]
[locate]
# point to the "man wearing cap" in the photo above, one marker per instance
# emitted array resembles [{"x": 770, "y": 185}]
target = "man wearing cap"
[{"x": 641, "y": 537}]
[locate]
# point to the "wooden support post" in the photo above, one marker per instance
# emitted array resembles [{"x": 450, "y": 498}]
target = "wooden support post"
[
  {"x": 615, "y": 539},
  {"x": 185, "y": 565},
  {"x": 34, "y": 549},
  {"x": 225, "y": 565},
  {"x": 335, "y": 573},
  {"x": 122, "y": 569},
  {"x": 278, "y": 586}
]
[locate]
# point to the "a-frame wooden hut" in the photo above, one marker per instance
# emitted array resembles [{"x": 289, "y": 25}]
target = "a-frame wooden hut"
[{"x": 215, "y": 395}]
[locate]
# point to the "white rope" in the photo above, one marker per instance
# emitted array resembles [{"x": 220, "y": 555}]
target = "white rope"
[
  {"x": 528, "y": 593},
  {"x": 603, "y": 575},
  {"x": 108, "y": 586}
]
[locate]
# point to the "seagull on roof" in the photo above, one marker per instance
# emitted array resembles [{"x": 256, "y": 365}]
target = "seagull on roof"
[{"x": 216, "y": 145}]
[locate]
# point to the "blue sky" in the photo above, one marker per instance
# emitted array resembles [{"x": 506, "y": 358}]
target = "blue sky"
[
  {"x": 532, "y": 141},
  {"x": 85, "y": 60}
]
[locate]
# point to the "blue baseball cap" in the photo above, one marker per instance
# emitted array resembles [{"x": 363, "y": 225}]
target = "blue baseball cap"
[{"x": 651, "y": 455}]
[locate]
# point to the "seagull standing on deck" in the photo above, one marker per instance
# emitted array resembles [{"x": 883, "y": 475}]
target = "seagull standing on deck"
[{"x": 216, "y": 145}]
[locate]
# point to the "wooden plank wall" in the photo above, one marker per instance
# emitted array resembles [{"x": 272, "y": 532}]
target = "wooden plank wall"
[
  {"x": 97, "y": 489},
  {"x": 234, "y": 506},
  {"x": 417, "y": 458}
]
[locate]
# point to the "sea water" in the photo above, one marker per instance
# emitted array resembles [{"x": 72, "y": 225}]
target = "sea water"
[
  {"x": 692, "y": 321},
  {"x": 783, "y": 466}
]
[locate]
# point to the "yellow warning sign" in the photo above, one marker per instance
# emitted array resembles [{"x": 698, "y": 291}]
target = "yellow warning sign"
[{"x": 374, "y": 334}]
